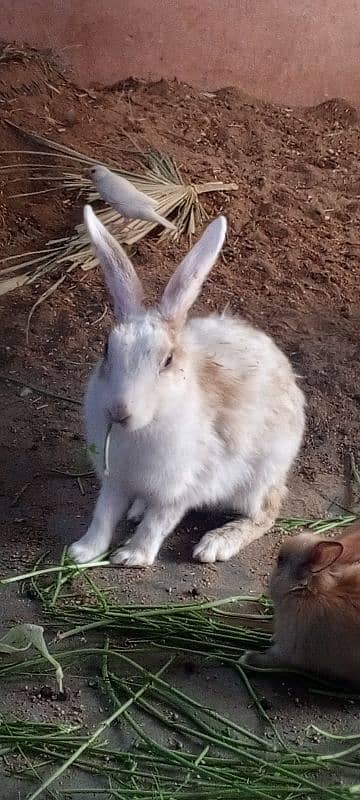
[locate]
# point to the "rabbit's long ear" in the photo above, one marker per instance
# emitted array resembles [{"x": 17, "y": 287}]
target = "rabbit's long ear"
[
  {"x": 323, "y": 554},
  {"x": 350, "y": 541},
  {"x": 121, "y": 279},
  {"x": 184, "y": 286}
]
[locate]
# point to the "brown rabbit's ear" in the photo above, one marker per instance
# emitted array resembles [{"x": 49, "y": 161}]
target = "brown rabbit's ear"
[
  {"x": 351, "y": 545},
  {"x": 323, "y": 554}
]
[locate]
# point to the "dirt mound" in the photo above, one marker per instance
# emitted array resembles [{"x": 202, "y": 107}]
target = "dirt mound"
[
  {"x": 291, "y": 259},
  {"x": 336, "y": 112}
]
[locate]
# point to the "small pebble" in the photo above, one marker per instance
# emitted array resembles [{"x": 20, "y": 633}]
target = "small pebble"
[{"x": 70, "y": 117}]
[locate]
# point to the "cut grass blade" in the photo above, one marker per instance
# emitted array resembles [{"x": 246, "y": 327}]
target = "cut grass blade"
[
  {"x": 120, "y": 710},
  {"x": 107, "y": 451},
  {"x": 232, "y": 763},
  {"x": 49, "y": 570},
  {"x": 317, "y": 525}
]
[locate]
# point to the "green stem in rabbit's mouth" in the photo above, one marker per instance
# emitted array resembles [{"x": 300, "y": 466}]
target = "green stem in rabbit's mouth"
[{"x": 107, "y": 451}]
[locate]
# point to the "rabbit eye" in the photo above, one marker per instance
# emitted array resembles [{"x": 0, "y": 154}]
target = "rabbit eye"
[
  {"x": 281, "y": 559},
  {"x": 168, "y": 361},
  {"x": 106, "y": 348}
]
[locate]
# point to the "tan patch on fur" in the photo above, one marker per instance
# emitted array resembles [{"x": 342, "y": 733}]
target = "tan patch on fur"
[
  {"x": 271, "y": 505},
  {"x": 174, "y": 335},
  {"x": 171, "y": 328},
  {"x": 178, "y": 351},
  {"x": 221, "y": 393}
]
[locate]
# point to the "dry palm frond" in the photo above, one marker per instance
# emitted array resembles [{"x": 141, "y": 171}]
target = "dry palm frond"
[
  {"x": 10, "y": 52},
  {"x": 64, "y": 169}
]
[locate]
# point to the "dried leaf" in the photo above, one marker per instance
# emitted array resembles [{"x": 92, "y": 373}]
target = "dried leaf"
[{"x": 21, "y": 637}]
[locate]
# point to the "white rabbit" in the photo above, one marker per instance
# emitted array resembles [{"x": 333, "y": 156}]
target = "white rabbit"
[{"x": 209, "y": 414}]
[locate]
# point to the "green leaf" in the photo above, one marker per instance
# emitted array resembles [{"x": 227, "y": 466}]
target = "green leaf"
[{"x": 20, "y": 638}]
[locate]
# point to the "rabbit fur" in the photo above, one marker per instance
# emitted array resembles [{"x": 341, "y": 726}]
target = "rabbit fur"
[
  {"x": 209, "y": 414},
  {"x": 315, "y": 588}
]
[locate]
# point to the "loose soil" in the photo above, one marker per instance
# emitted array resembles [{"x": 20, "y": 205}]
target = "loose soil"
[{"x": 290, "y": 266}]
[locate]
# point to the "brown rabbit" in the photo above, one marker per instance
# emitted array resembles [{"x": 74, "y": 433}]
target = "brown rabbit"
[{"x": 315, "y": 588}]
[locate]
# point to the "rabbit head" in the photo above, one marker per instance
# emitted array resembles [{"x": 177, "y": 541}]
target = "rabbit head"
[
  {"x": 145, "y": 362},
  {"x": 300, "y": 560}
]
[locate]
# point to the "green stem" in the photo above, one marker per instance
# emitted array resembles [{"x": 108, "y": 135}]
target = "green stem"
[
  {"x": 49, "y": 570},
  {"x": 257, "y": 702},
  {"x": 187, "y": 700},
  {"x": 80, "y": 750},
  {"x": 220, "y": 742},
  {"x": 59, "y": 579}
]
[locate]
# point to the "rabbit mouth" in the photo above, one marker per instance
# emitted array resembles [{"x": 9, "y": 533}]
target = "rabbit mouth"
[{"x": 129, "y": 423}]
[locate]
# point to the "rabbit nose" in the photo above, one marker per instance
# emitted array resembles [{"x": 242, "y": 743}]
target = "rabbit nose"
[
  {"x": 124, "y": 421},
  {"x": 120, "y": 415}
]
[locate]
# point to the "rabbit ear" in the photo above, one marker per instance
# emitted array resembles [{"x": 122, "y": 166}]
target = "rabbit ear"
[
  {"x": 184, "y": 286},
  {"x": 121, "y": 279},
  {"x": 323, "y": 554},
  {"x": 351, "y": 545}
]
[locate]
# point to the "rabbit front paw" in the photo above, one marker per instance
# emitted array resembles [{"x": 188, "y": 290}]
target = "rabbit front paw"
[
  {"x": 265, "y": 660},
  {"x": 215, "y": 546},
  {"x": 84, "y": 551},
  {"x": 252, "y": 658},
  {"x": 134, "y": 554}
]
